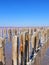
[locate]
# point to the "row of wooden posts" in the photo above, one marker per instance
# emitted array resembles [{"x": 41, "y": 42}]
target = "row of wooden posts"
[{"x": 21, "y": 42}]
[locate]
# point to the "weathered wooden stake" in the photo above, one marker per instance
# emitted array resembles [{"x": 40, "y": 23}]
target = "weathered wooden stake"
[
  {"x": 14, "y": 50},
  {"x": 2, "y": 51}
]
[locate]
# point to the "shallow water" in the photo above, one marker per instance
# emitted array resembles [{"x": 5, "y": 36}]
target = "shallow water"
[{"x": 8, "y": 53}]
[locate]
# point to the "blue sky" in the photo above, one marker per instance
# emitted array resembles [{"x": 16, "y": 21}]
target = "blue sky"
[{"x": 22, "y": 13}]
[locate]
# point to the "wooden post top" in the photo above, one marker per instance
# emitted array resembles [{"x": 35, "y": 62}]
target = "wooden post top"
[{"x": 2, "y": 41}]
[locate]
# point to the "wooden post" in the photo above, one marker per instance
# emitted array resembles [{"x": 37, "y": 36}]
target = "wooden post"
[
  {"x": 29, "y": 31},
  {"x": 9, "y": 35},
  {"x": 18, "y": 50},
  {"x": 43, "y": 36},
  {"x": 33, "y": 44},
  {"x": 26, "y": 48},
  {"x": 14, "y": 50},
  {"x": 15, "y": 31},
  {"x": 47, "y": 33},
  {"x": 0, "y": 32},
  {"x": 2, "y": 51},
  {"x": 21, "y": 48},
  {"x": 4, "y": 32},
  {"x": 37, "y": 41}
]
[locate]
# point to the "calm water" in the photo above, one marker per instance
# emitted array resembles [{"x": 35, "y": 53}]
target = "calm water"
[{"x": 8, "y": 52}]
